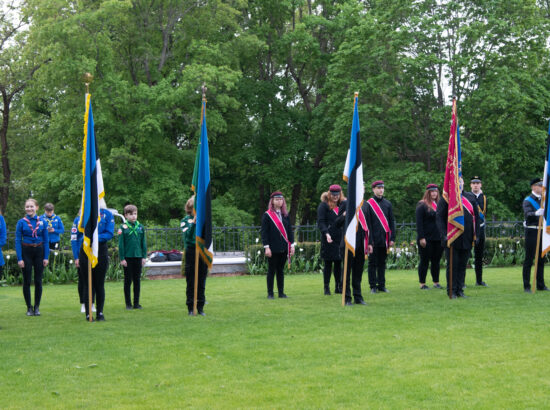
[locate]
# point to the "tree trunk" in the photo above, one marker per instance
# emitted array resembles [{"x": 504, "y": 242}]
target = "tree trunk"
[
  {"x": 296, "y": 191},
  {"x": 6, "y": 171}
]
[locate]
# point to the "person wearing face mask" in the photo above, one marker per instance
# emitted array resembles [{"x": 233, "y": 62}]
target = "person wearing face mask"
[
  {"x": 32, "y": 249},
  {"x": 331, "y": 236},
  {"x": 381, "y": 227},
  {"x": 532, "y": 211}
]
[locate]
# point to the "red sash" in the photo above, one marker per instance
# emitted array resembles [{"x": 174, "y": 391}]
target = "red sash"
[
  {"x": 382, "y": 218},
  {"x": 335, "y": 210},
  {"x": 470, "y": 208},
  {"x": 363, "y": 221},
  {"x": 434, "y": 206},
  {"x": 33, "y": 230},
  {"x": 279, "y": 224}
]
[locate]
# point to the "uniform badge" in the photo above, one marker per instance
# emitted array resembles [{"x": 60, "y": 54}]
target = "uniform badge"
[
  {"x": 119, "y": 231},
  {"x": 182, "y": 224},
  {"x": 73, "y": 230},
  {"x": 125, "y": 226},
  {"x": 184, "y": 229}
]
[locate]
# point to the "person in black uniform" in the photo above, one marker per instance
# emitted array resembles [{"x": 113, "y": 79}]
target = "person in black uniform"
[
  {"x": 479, "y": 248},
  {"x": 331, "y": 236},
  {"x": 462, "y": 245},
  {"x": 428, "y": 237},
  {"x": 278, "y": 241},
  {"x": 381, "y": 225},
  {"x": 106, "y": 231},
  {"x": 532, "y": 211},
  {"x": 356, "y": 263}
]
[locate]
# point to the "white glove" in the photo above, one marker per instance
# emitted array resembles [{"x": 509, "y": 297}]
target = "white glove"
[{"x": 539, "y": 212}]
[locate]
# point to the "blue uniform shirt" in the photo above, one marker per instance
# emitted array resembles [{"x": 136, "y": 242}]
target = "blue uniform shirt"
[
  {"x": 23, "y": 234},
  {"x": 106, "y": 231},
  {"x": 3, "y": 238},
  {"x": 55, "y": 222}
]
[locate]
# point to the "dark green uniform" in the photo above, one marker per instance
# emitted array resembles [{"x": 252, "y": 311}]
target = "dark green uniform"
[
  {"x": 188, "y": 230},
  {"x": 132, "y": 247}
]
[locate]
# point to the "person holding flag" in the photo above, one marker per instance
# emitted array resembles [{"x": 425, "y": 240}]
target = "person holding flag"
[
  {"x": 479, "y": 248},
  {"x": 457, "y": 216},
  {"x": 381, "y": 226},
  {"x": 278, "y": 241}
]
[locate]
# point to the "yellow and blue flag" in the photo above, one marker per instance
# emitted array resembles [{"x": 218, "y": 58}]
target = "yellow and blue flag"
[
  {"x": 452, "y": 189},
  {"x": 545, "y": 202},
  {"x": 92, "y": 187},
  {"x": 203, "y": 197},
  {"x": 353, "y": 175}
]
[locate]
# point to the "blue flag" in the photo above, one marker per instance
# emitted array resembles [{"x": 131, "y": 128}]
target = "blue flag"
[
  {"x": 203, "y": 200},
  {"x": 92, "y": 187}
]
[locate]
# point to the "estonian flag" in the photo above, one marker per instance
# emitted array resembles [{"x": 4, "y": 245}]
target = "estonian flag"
[
  {"x": 545, "y": 202},
  {"x": 203, "y": 197},
  {"x": 92, "y": 187},
  {"x": 353, "y": 175},
  {"x": 451, "y": 186}
]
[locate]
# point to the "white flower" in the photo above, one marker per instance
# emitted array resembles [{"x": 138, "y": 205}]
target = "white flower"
[
  {"x": 301, "y": 249},
  {"x": 398, "y": 255},
  {"x": 517, "y": 242},
  {"x": 70, "y": 262},
  {"x": 8, "y": 257},
  {"x": 259, "y": 252},
  {"x": 56, "y": 253},
  {"x": 500, "y": 245},
  {"x": 257, "y": 240}
]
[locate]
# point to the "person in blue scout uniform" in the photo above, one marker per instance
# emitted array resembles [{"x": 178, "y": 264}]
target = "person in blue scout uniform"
[
  {"x": 381, "y": 224},
  {"x": 3, "y": 239},
  {"x": 106, "y": 231},
  {"x": 76, "y": 244},
  {"x": 278, "y": 242},
  {"x": 462, "y": 245},
  {"x": 479, "y": 247},
  {"x": 32, "y": 249},
  {"x": 54, "y": 225},
  {"x": 428, "y": 237},
  {"x": 132, "y": 251},
  {"x": 189, "y": 237},
  {"x": 532, "y": 210},
  {"x": 331, "y": 236}
]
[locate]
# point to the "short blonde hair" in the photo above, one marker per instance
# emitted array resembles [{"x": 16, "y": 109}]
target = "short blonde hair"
[{"x": 189, "y": 205}]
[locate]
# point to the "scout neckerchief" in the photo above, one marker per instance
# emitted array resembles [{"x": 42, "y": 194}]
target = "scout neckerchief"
[
  {"x": 279, "y": 224},
  {"x": 50, "y": 220},
  {"x": 382, "y": 218},
  {"x": 470, "y": 208},
  {"x": 363, "y": 221},
  {"x": 533, "y": 202},
  {"x": 33, "y": 230},
  {"x": 133, "y": 229}
]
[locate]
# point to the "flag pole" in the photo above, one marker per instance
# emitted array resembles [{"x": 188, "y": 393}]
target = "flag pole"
[
  {"x": 450, "y": 284},
  {"x": 537, "y": 254},
  {"x": 196, "y": 282},
  {"x": 344, "y": 278},
  {"x": 88, "y": 78}
]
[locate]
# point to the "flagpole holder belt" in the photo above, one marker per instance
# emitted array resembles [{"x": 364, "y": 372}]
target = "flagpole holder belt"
[
  {"x": 32, "y": 245},
  {"x": 531, "y": 227}
]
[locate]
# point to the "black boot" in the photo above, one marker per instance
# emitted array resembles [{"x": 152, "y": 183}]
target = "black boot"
[{"x": 327, "y": 290}]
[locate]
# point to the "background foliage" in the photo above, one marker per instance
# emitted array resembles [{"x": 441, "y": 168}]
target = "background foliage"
[{"x": 280, "y": 78}]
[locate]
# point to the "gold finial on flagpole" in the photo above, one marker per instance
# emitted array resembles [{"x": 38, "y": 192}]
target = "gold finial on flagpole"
[
  {"x": 204, "y": 91},
  {"x": 87, "y": 78}
]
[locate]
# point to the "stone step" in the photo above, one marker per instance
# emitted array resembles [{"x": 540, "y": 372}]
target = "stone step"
[{"x": 221, "y": 266}]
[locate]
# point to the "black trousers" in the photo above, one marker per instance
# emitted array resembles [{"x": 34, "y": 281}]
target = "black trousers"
[
  {"x": 460, "y": 261},
  {"x": 431, "y": 254},
  {"x": 132, "y": 274},
  {"x": 337, "y": 274},
  {"x": 377, "y": 267},
  {"x": 355, "y": 266},
  {"x": 530, "y": 250},
  {"x": 54, "y": 246},
  {"x": 98, "y": 277},
  {"x": 276, "y": 266},
  {"x": 33, "y": 258},
  {"x": 190, "y": 254},
  {"x": 479, "y": 248}
]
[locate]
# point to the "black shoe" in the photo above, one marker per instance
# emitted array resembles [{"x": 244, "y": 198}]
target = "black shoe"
[
  {"x": 30, "y": 311},
  {"x": 137, "y": 306},
  {"x": 270, "y": 297},
  {"x": 88, "y": 318},
  {"x": 438, "y": 286},
  {"x": 527, "y": 290},
  {"x": 463, "y": 287},
  {"x": 383, "y": 290},
  {"x": 373, "y": 290},
  {"x": 544, "y": 288},
  {"x": 201, "y": 313},
  {"x": 348, "y": 303},
  {"x": 338, "y": 291},
  {"x": 282, "y": 296},
  {"x": 327, "y": 291},
  {"x": 129, "y": 307},
  {"x": 462, "y": 295},
  {"x": 36, "y": 311},
  {"x": 453, "y": 296},
  {"x": 190, "y": 313},
  {"x": 482, "y": 284},
  {"x": 100, "y": 317},
  {"x": 424, "y": 287},
  {"x": 360, "y": 302}
]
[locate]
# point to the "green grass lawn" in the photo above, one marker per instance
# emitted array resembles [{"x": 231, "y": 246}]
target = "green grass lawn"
[{"x": 405, "y": 349}]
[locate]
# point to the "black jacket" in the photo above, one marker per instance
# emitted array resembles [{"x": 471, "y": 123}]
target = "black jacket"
[
  {"x": 271, "y": 235},
  {"x": 377, "y": 234},
  {"x": 326, "y": 221},
  {"x": 481, "y": 201},
  {"x": 426, "y": 225},
  {"x": 466, "y": 239},
  {"x": 529, "y": 211}
]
